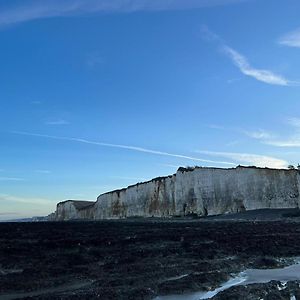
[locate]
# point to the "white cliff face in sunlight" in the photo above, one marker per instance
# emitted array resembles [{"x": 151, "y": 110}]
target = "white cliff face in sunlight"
[{"x": 201, "y": 191}]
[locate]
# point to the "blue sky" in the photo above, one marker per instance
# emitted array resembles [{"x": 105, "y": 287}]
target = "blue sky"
[{"x": 97, "y": 94}]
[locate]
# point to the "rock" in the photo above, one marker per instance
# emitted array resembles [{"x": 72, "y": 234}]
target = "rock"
[
  {"x": 193, "y": 191},
  {"x": 73, "y": 210}
]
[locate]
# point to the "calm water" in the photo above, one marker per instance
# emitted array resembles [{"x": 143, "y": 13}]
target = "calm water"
[{"x": 247, "y": 277}]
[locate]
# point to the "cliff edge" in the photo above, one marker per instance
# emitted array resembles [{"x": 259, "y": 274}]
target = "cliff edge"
[{"x": 200, "y": 191}]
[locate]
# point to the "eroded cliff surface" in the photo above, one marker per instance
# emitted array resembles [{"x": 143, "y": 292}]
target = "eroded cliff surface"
[
  {"x": 71, "y": 210},
  {"x": 201, "y": 191}
]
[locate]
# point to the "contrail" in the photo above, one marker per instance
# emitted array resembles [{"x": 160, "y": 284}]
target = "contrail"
[{"x": 132, "y": 148}]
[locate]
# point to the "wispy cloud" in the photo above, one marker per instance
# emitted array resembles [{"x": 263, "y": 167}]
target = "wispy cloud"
[
  {"x": 11, "y": 179},
  {"x": 93, "y": 59},
  {"x": 291, "y": 39},
  {"x": 125, "y": 147},
  {"x": 37, "y": 201},
  {"x": 259, "y": 134},
  {"x": 250, "y": 159},
  {"x": 272, "y": 139},
  {"x": 285, "y": 143},
  {"x": 129, "y": 178},
  {"x": 233, "y": 80},
  {"x": 36, "y": 102},
  {"x": 293, "y": 121},
  {"x": 216, "y": 126},
  {"x": 24, "y": 207},
  {"x": 292, "y": 140},
  {"x": 9, "y": 213},
  {"x": 232, "y": 143},
  {"x": 29, "y": 10},
  {"x": 43, "y": 171},
  {"x": 57, "y": 122},
  {"x": 262, "y": 75},
  {"x": 242, "y": 63}
]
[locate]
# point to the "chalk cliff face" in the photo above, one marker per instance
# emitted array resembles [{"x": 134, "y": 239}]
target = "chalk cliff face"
[
  {"x": 201, "y": 191},
  {"x": 70, "y": 210}
]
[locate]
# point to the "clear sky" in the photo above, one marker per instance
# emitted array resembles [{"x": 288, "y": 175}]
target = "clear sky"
[{"x": 99, "y": 94}]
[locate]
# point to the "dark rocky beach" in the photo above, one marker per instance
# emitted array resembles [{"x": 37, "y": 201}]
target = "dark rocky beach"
[{"x": 144, "y": 258}]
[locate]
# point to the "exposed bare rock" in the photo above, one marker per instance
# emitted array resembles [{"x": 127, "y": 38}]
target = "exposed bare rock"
[
  {"x": 72, "y": 209},
  {"x": 198, "y": 191}
]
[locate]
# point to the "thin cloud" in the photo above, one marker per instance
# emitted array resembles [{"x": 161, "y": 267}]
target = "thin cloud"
[
  {"x": 11, "y": 179},
  {"x": 93, "y": 59},
  {"x": 233, "y": 143},
  {"x": 271, "y": 138},
  {"x": 43, "y": 171},
  {"x": 285, "y": 143},
  {"x": 262, "y": 75},
  {"x": 25, "y": 207},
  {"x": 292, "y": 140},
  {"x": 8, "y": 213},
  {"x": 34, "y": 9},
  {"x": 259, "y": 134},
  {"x": 11, "y": 198},
  {"x": 250, "y": 159},
  {"x": 242, "y": 63},
  {"x": 293, "y": 121},
  {"x": 233, "y": 80},
  {"x": 36, "y": 102},
  {"x": 126, "y": 147},
  {"x": 215, "y": 126},
  {"x": 57, "y": 122},
  {"x": 129, "y": 178},
  {"x": 291, "y": 39}
]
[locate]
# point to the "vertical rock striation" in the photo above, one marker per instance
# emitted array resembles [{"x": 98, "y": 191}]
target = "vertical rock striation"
[
  {"x": 71, "y": 210},
  {"x": 201, "y": 191}
]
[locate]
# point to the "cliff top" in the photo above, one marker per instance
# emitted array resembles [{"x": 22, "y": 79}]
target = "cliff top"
[
  {"x": 191, "y": 169},
  {"x": 137, "y": 184},
  {"x": 79, "y": 204}
]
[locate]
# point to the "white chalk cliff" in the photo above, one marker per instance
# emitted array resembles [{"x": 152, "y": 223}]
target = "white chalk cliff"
[{"x": 201, "y": 191}]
